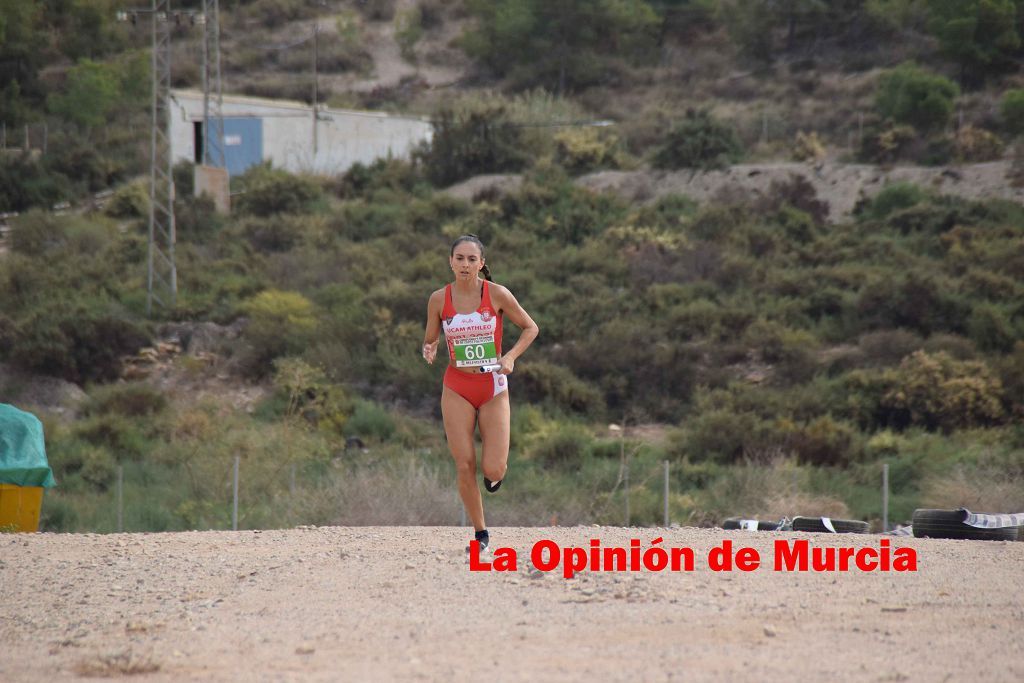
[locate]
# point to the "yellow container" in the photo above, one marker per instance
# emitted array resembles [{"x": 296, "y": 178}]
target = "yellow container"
[{"x": 19, "y": 507}]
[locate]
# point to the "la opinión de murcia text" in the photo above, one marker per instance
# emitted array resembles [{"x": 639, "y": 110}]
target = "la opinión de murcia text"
[{"x": 796, "y": 555}]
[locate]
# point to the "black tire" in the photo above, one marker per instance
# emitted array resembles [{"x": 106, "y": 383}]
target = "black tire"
[
  {"x": 950, "y": 524},
  {"x": 734, "y": 523},
  {"x": 842, "y": 526}
]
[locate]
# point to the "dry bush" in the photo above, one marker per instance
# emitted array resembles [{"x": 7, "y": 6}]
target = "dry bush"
[
  {"x": 808, "y": 147},
  {"x": 117, "y": 664},
  {"x": 977, "y": 145},
  {"x": 985, "y": 489},
  {"x": 394, "y": 492},
  {"x": 771, "y": 490}
]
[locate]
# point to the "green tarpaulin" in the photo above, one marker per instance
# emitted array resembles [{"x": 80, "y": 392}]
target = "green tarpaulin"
[{"x": 22, "y": 449}]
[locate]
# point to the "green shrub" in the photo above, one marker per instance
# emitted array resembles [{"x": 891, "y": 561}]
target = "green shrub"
[
  {"x": 915, "y": 301},
  {"x": 1011, "y": 373},
  {"x": 90, "y": 94},
  {"x": 384, "y": 173},
  {"x": 584, "y": 150},
  {"x": 723, "y": 435},
  {"x": 58, "y": 514},
  {"x": 77, "y": 342},
  {"x": 912, "y": 96},
  {"x": 279, "y": 323},
  {"x": 116, "y": 433},
  {"x": 893, "y": 197},
  {"x": 699, "y": 141},
  {"x": 130, "y": 201},
  {"x": 24, "y": 184},
  {"x": 269, "y": 191},
  {"x": 888, "y": 347},
  {"x": 991, "y": 328},
  {"x": 308, "y": 394},
  {"x": 80, "y": 462},
  {"x": 796, "y": 192},
  {"x": 370, "y": 421},
  {"x": 937, "y": 392},
  {"x": 979, "y": 35},
  {"x": 561, "y": 445},
  {"x": 271, "y": 234},
  {"x": 822, "y": 442},
  {"x": 561, "y": 46},
  {"x": 888, "y": 143},
  {"x": 1012, "y": 109},
  {"x": 542, "y": 381},
  {"x": 38, "y": 232},
  {"x": 471, "y": 138},
  {"x": 360, "y": 220},
  {"x": 271, "y": 13},
  {"x": 88, "y": 166},
  {"x": 132, "y": 399}
]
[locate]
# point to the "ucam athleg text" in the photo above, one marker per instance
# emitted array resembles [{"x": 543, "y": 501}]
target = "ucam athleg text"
[{"x": 790, "y": 556}]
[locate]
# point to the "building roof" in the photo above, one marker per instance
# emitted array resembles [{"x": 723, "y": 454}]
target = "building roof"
[{"x": 293, "y": 105}]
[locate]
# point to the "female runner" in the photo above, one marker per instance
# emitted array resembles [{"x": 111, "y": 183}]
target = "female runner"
[{"x": 475, "y": 388}]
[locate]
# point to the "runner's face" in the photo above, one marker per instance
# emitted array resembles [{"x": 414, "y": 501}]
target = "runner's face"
[{"x": 466, "y": 261}]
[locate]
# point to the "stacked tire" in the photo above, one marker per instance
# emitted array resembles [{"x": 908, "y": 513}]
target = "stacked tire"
[
  {"x": 929, "y": 523},
  {"x": 762, "y": 525},
  {"x": 821, "y": 525}
]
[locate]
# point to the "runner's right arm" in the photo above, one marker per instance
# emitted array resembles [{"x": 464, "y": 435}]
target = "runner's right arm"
[{"x": 433, "y": 329}]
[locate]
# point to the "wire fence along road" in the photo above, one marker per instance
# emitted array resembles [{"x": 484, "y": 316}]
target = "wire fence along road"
[{"x": 631, "y": 480}]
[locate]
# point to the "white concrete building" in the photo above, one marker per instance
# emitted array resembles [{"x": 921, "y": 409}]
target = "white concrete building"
[{"x": 282, "y": 132}]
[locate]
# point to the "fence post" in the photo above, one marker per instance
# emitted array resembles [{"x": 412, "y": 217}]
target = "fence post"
[
  {"x": 626, "y": 477},
  {"x": 885, "y": 496},
  {"x": 120, "y": 498},
  {"x": 234, "y": 498},
  {"x": 666, "y": 494}
]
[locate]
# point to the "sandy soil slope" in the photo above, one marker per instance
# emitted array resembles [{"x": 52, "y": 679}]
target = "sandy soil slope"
[{"x": 377, "y": 603}]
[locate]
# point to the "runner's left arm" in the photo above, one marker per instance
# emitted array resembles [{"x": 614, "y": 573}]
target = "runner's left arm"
[{"x": 512, "y": 310}]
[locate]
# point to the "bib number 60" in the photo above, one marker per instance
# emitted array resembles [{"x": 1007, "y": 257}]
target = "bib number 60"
[{"x": 474, "y": 352}]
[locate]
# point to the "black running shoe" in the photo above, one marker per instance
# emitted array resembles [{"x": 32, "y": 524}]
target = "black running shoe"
[
  {"x": 486, "y": 554},
  {"x": 492, "y": 486}
]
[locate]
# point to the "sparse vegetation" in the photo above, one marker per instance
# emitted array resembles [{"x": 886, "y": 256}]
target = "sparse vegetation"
[{"x": 786, "y": 356}]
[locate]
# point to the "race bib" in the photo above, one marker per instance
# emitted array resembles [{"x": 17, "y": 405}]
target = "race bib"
[{"x": 470, "y": 353}]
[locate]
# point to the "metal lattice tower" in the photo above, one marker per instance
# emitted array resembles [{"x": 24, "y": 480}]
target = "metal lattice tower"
[
  {"x": 213, "y": 95},
  {"x": 162, "y": 275}
]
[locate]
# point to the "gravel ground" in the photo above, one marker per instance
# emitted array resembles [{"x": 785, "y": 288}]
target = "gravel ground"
[{"x": 399, "y": 603}]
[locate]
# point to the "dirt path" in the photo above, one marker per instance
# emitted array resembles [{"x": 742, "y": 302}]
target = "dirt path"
[
  {"x": 390, "y": 67},
  {"x": 379, "y": 603},
  {"x": 839, "y": 185}
]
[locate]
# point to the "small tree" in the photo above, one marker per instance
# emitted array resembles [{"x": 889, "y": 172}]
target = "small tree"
[
  {"x": 469, "y": 139},
  {"x": 1012, "y": 109},
  {"x": 91, "y": 93},
  {"x": 977, "y": 34},
  {"x": 910, "y": 95},
  {"x": 699, "y": 141},
  {"x": 563, "y": 44},
  {"x": 279, "y": 323}
]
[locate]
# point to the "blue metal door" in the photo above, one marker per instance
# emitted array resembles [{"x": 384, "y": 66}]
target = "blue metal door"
[{"x": 243, "y": 143}]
